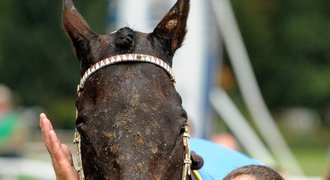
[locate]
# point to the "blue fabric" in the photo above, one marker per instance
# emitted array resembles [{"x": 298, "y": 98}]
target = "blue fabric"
[{"x": 218, "y": 160}]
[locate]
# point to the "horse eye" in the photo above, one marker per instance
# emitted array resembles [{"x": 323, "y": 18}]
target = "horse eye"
[
  {"x": 80, "y": 121},
  {"x": 183, "y": 128}
]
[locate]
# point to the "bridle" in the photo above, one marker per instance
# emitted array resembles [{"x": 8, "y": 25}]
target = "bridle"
[
  {"x": 125, "y": 58},
  {"x": 130, "y": 58}
]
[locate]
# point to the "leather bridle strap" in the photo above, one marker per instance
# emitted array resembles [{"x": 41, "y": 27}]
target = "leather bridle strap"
[
  {"x": 77, "y": 143},
  {"x": 186, "y": 161}
]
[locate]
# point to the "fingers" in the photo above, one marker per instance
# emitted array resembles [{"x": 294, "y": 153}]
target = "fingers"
[
  {"x": 62, "y": 159},
  {"x": 46, "y": 127},
  {"x": 52, "y": 142},
  {"x": 59, "y": 153},
  {"x": 56, "y": 151},
  {"x": 67, "y": 153},
  {"x": 45, "y": 123},
  {"x": 68, "y": 5}
]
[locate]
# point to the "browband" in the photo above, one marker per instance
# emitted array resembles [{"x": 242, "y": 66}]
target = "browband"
[{"x": 125, "y": 58}]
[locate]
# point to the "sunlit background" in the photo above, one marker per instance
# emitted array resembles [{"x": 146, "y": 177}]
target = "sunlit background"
[{"x": 287, "y": 43}]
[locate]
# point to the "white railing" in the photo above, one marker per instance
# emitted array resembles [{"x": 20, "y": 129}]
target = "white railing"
[{"x": 13, "y": 168}]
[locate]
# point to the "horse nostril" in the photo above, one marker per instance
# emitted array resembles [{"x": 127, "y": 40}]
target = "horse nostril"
[{"x": 197, "y": 161}]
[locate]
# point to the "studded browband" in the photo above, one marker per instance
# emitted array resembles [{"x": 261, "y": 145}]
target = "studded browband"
[{"x": 125, "y": 58}]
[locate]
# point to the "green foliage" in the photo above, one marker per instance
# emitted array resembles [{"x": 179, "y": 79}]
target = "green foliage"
[
  {"x": 36, "y": 58},
  {"x": 288, "y": 41},
  {"x": 62, "y": 112}
]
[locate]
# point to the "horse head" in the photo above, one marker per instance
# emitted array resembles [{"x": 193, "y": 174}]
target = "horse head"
[{"x": 129, "y": 115}]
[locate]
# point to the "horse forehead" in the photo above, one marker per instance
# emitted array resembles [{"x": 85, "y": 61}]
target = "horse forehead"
[
  {"x": 142, "y": 41},
  {"x": 142, "y": 38}
]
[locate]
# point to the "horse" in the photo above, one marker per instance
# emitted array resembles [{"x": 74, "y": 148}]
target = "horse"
[{"x": 130, "y": 121}]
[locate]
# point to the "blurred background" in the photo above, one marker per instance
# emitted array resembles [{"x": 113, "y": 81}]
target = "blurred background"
[{"x": 288, "y": 43}]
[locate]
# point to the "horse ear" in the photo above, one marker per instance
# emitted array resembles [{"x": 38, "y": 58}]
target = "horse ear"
[
  {"x": 77, "y": 28},
  {"x": 173, "y": 25}
]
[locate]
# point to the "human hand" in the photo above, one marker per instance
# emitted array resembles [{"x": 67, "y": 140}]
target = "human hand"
[{"x": 60, "y": 153}]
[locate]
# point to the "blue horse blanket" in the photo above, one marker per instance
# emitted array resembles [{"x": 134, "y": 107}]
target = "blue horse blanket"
[{"x": 218, "y": 160}]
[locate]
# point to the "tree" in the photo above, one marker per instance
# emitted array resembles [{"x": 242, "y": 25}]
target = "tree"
[
  {"x": 36, "y": 58},
  {"x": 288, "y": 41}
]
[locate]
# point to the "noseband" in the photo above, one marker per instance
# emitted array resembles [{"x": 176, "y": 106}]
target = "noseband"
[{"x": 130, "y": 58}]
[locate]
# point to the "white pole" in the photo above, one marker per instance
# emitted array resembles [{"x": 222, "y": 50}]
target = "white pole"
[
  {"x": 249, "y": 87},
  {"x": 189, "y": 65},
  {"x": 239, "y": 126},
  {"x": 134, "y": 14}
]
